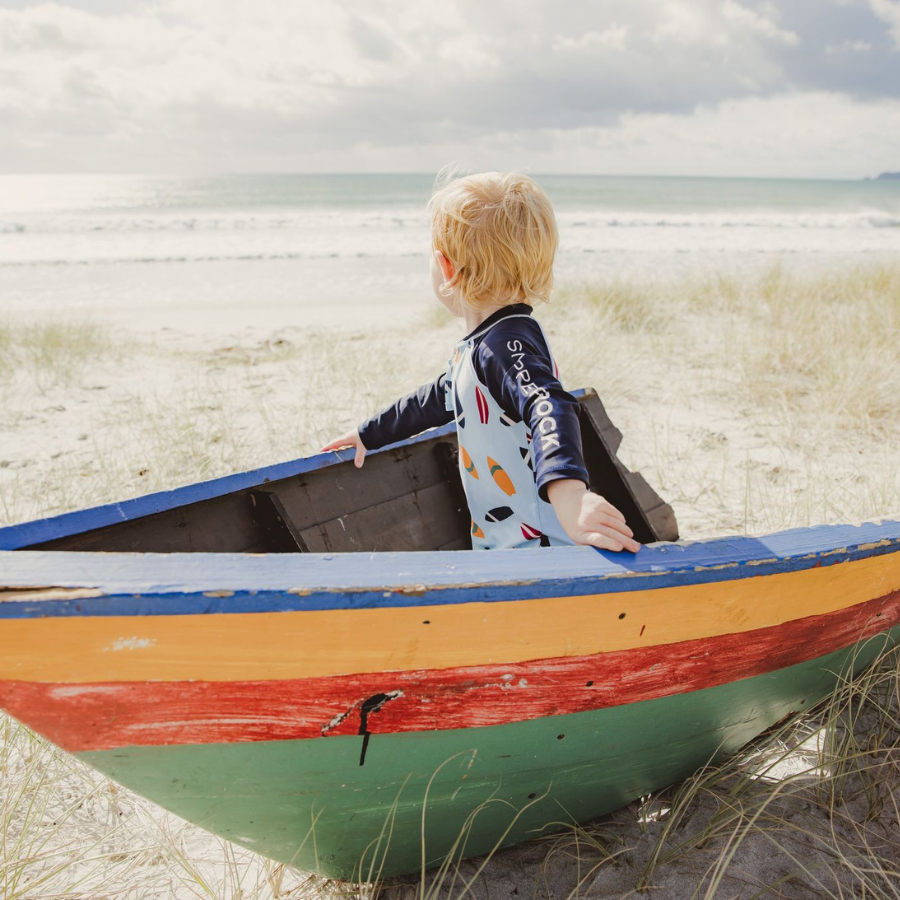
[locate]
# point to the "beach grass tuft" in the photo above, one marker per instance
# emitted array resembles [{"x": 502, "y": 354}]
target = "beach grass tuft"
[
  {"x": 628, "y": 305},
  {"x": 807, "y": 810},
  {"x": 51, "y": 352},
  {"x": 831, "y": 345},
  {"x": 68, "y": 832}
]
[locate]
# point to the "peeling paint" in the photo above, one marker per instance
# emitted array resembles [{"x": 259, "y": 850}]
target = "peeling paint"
[
  {"x": 130, "y": 643},
  {"x": 874, "y": 545},
  {"x": 68, "y": 691},
  {"x": 21, "y": 595},
  {"x": 415, "y": 590},
  {"x": 335, "y": 721}
]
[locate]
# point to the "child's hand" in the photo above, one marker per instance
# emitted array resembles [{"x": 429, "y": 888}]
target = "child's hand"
[
  {"x": 350, "y": 439},
  {"x": 589, "y": 519}
]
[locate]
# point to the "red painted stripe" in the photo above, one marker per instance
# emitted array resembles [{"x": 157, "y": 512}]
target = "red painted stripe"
[{"x": 105, "y": 716}]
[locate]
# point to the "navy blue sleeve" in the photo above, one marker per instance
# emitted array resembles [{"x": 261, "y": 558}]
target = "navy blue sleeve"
[
  {"x": 416, "y": 412},
  {"x": 513, "y": 362}
]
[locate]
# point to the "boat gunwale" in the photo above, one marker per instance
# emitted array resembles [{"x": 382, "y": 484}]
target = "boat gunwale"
[{"x": 42, "y": 583}]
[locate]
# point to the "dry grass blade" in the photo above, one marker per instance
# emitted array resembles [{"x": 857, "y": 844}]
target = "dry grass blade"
[{"x": 841, "y": 805}]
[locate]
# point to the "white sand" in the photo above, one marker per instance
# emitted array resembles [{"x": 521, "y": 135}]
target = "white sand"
[{"x": 736, "y": 444}]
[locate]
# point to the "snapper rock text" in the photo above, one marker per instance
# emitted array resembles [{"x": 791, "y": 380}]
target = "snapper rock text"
[{"x": 546, "y": 425}]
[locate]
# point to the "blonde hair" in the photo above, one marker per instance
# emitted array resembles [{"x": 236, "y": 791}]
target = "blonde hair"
[{"x": 499, "y": 231}]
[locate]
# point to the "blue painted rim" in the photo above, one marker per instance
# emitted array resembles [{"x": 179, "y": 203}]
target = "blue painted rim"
[{"x": 203, "y": 583}]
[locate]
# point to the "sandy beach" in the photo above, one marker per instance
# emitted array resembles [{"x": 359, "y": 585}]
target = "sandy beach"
[{"x": 752, "y": 403}]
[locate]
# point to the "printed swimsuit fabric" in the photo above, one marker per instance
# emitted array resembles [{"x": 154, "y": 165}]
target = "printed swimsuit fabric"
[{"x": 518, "y": 429}]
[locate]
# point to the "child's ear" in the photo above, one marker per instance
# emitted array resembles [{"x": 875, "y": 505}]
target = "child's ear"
[{"x": 448, "y": 270}]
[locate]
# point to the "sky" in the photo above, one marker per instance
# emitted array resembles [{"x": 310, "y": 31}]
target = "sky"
[{"x": 794, "y": 88}]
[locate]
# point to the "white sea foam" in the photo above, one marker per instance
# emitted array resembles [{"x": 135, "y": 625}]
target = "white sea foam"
[
  {"x": 91, "y": 240},
  {"x": 319, "y": 234}
]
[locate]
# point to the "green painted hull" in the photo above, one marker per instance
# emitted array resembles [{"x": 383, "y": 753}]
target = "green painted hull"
[{"x": 310, "y": 803}]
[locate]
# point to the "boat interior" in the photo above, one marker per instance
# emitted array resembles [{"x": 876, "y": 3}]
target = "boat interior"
[{"x": 408, "y": 498}]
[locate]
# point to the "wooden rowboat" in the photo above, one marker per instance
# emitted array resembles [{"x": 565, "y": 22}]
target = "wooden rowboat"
[{"x": 359, "y": 712}]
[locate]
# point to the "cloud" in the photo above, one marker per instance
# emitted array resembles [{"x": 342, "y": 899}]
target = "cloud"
[
  {"x": 889, "y": 12},
  {"x": 758, "y": 23},
  {"x": 613, "y": 37},
  {"x": 848, "y": 46},
  {"x": 801, "y": 135},
  {"x": 212, "y": 84}
]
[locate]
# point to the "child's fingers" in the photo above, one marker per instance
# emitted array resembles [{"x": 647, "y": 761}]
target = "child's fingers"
[
  {"x": 350, "y": 439},
  {"x": 360, "y": 457},
  {"x": 598, "y": 504},
  {"x": 600, "y": 519},
  {"x": 609, "y": 539},
  {"x": 602, "y": 541},
  {"x": 611, "y": 511}
]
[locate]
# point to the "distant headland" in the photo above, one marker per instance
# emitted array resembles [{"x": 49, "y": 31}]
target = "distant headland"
[{"x": 888, "y": 176}]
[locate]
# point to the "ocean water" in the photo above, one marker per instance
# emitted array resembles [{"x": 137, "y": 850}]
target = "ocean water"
[{"x": 358, "y": 244}]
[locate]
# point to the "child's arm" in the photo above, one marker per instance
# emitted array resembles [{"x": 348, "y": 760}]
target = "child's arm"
[
  {"x": 514, "y": 363},
  {"x": 424, "y": 408}
]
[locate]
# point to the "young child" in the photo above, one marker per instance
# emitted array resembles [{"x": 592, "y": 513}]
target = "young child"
[{"x": 494, "y": 239}]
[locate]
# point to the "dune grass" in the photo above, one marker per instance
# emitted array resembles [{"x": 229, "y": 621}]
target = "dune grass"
[
  {"x": 807, "y": 810},
  {"x": 746, "y": 402},
  {"x": 65, "y": 831},
  {"x": 833, "y": 346},
  {"x": 751, "y": 403},
  {"x": 51, "y": 352}
]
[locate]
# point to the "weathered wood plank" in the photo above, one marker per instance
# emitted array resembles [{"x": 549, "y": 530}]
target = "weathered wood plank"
[
  {"x": 222, "y": 524},
  {"x": 324, "y": 495},
  {"x": 423, "y": 520},
  {"x": 45, "y": 585}
]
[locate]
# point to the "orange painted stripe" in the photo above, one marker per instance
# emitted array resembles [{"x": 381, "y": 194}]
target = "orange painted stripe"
[{"x": 307, "y": 644}]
